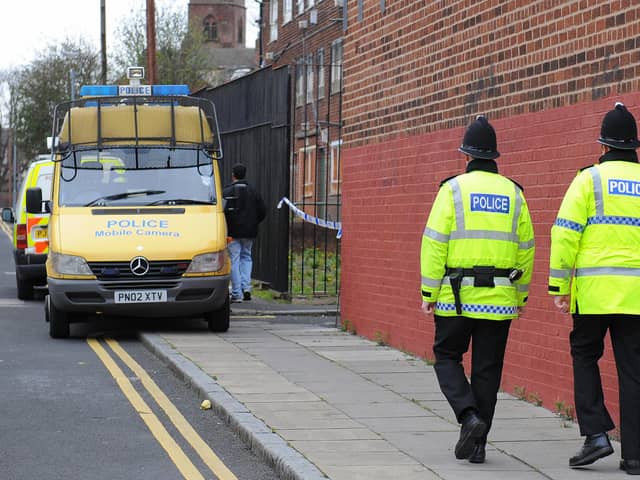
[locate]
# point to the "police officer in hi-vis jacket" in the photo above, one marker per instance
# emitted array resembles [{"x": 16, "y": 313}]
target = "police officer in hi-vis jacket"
[
  {"x": 476, "y": 264},
  {"x": 595, "y": 274}
]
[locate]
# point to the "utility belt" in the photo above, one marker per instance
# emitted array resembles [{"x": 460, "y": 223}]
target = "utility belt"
[{"x": 482, "y": 277}]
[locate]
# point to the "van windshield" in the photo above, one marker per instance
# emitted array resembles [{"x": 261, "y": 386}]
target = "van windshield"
[{"x": 136, "y": 177}]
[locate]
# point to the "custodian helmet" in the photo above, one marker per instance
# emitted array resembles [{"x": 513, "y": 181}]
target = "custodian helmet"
[
  {"x": 619, "y": 129},
  {"x": 480, "y": 140}
]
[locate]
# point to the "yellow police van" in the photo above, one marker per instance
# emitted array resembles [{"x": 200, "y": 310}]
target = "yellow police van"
[
  {"x": 30, "y": 236},
  {"x": 137, "y": 227}
]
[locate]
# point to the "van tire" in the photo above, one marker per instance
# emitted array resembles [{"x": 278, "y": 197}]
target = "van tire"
[
  {"x": 218, "y": 320},
  {"x": 58, "y": 320},
  {"x": 25, "y": 288}
]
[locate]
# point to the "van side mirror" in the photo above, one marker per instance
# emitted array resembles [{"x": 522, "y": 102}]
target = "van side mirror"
[
  {"x": 34, "y": 200},
  {"x": 7, "y": 215}
]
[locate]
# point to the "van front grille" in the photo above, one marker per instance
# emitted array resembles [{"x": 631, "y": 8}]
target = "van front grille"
[
  {"x": 139, "y": 285},
  {"x": 158, "y": 270}
]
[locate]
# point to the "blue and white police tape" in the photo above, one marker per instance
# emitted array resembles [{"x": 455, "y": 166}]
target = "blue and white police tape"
[{"x": 311, "y": 219}]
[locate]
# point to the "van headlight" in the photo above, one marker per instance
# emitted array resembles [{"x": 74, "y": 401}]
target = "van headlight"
[
  {"x": 69, "y": 264},
  {"x": 207, "y": 262}
]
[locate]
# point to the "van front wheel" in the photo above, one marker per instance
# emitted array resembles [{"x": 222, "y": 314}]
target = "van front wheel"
[
  {"x": 218, "y": 320},
  {"x": 58, "y": 320}
]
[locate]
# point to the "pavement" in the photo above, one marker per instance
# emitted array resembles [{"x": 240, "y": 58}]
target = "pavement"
[{"x": 316, "y": 402}]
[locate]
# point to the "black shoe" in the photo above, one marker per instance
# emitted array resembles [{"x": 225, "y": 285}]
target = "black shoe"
[
  {"x": 478, "y": 453},
  {"x": 473, "y": 428},
  {"x": 595, "y": 447},
  {"x": 632, "y": 467},
  {"x": 246, "y": 296}
]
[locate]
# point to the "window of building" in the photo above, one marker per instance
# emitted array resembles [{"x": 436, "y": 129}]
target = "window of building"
[
  {"x": 320, "y": 63},
  {"x": 309, "y": 169},
  {"x": 287, "y": 10},
  {"x": 310, "y": 71},
  {"x": 300, "y": 6},
  {"x": 336, "y": 66},
  {"x": 297, "y": 180},
  {"x": 321, "y": 183},
  {"x": 210, "y": 29},
  {"x": 335, "y": 169},
  {"x": 240, "y": 32},
  {"x": 299, "y": 82},
  {"x": 273, "y": 21}
]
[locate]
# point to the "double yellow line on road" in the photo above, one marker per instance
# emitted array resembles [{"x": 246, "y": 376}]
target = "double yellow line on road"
[
  {"x": 175, "y": 452},
  {"x": 6, "y": 230}
]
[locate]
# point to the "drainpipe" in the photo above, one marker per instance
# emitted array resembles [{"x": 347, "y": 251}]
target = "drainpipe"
[{"x": 260, "y": 51}]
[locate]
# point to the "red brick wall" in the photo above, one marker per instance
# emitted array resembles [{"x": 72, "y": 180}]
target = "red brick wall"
[
  {"x": 289, "y": 45},
  {"x": 545, "y": 73},
  {"x": 421, "y": 67}
]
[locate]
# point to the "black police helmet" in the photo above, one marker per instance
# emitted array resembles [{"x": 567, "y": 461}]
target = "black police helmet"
[
  {"x": 619, "y": 129},
  {"x": 480, "y": 140}
]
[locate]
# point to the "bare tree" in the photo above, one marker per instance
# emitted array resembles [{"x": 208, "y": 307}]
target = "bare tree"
[
  {"x": 38, "y": 87},
  {"x": 180, "y": 56}
]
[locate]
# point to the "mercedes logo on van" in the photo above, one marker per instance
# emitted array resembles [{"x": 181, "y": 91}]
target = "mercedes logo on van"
[{"x": 139, "y": 266}]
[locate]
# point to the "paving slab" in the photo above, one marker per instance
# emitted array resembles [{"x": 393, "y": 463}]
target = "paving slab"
[
  {"x": 552, "y": 456},
  {"x": 404, "y": 472},
  {"x": 329, "y": 434}
]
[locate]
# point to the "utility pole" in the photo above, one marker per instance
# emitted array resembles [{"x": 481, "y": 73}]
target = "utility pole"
[
  {"x": 14, "y": 154},
  {"x": 260, "y": 32},
  {"x": 103, "y": 40},
  {"x": 151, "y": 41},
  {"x": 72, "y": 81}
]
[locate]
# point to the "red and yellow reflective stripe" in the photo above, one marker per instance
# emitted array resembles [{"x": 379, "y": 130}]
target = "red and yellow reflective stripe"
[{"x": 37, "y": 223}]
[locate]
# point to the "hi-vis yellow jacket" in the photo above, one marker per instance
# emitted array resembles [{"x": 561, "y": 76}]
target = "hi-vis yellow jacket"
[
  {"x": 479, "y": 218},
  {"x": 595, "y": 241}
]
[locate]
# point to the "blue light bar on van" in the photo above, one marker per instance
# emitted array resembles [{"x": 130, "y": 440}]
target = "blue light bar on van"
[
  {"x": 133, "y": 90},
  {"x": 169, "y": 90},
  {"x": 99, "y": 91}
]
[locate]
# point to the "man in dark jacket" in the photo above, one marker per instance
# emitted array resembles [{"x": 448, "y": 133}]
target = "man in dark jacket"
[{"x": 244, "y": 210}]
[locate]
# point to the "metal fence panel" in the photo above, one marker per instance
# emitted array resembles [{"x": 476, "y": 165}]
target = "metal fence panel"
[{"x": 253, "y": 113}]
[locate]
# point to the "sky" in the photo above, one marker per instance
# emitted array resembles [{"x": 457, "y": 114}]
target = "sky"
[{"x": 28, "y": 25}]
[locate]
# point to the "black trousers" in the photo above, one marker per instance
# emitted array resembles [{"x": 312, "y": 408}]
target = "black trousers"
[
  {"x": 587, "y": 347},
  {"x": 451, "y": 343}
]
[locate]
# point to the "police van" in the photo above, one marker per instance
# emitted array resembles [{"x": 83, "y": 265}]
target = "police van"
[
  {"x": 30, "y": 234},
  {"x": 137, "y": 227}
]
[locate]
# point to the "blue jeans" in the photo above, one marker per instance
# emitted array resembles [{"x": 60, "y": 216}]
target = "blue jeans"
[{"x": 241, "y": 265}]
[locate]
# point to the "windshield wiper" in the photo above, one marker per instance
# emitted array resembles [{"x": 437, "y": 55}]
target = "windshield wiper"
[
  {"x": 120, "y": 196},
  {"x": 180, "y": 201}
]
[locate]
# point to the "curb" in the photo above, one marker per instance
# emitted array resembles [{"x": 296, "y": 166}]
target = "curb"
[
  {"x": 307, "y": 312},
  {"x": 288, "y": 463}
]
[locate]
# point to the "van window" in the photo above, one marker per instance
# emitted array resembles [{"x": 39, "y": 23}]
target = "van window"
[
  {"x": 137, "y": 177},
  {"x": 45, "y": 176}
]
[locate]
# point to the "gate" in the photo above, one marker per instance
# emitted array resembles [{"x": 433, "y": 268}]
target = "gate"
[
  {"x": 290, "y": 142},
  {"x": 316, "y": 181},
  {"x": 253, "y": 113}
]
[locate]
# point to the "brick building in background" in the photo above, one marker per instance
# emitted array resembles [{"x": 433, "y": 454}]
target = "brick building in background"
[
  {"x": 224, "y": 25},
  {"x": 415, "y": 74},
  {"x": 307, "y": 36},
  {"x": 10, "y": 183}
]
